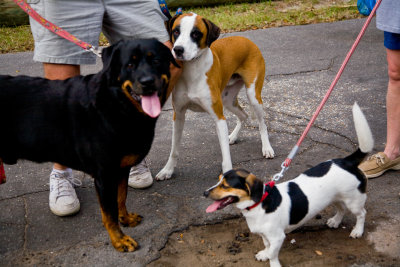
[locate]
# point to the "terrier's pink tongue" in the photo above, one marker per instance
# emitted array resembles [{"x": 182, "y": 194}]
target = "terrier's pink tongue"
[
  {"x": 214, "y": 206},
  {"x": 151, "y": 105}
]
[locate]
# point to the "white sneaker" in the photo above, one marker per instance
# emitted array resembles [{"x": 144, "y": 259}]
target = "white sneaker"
[
  {"x": 62, "y": 199},
  {"x": 140, "y": 176}
]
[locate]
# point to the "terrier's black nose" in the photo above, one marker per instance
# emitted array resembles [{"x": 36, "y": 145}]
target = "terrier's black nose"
[{"x": 206, "y": 193}]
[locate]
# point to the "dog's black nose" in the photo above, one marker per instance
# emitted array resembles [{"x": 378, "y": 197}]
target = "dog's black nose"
[
  {"x": 206, "y": 193},
  {"x": 179, "y": 50},
  {"x": 146, "y": 80}
]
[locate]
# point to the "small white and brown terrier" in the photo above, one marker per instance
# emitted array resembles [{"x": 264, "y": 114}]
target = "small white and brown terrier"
[
  {"x": 271, "y": 211},
  {"x": 214, "y": 71}
]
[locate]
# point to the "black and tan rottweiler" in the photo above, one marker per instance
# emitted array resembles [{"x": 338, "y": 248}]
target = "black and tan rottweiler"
[{"x": 101, "y": 124}]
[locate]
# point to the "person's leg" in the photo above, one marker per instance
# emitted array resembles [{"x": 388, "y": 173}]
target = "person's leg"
[
  {"x": 60, "y": 72},
  {"x": 392, "y": 149},
  {"x": 61, "y": 60},
  {"x": 389, "y": 159},
  {"x": 62, "y": 198}
]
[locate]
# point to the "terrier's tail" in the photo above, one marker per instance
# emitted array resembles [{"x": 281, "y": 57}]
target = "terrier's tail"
[{"x": 364, "y": 135}]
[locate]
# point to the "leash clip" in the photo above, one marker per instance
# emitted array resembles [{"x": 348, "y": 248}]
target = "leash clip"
[
  {"x": 279, "y": 175},
  {"x": 285, "y": 165},
  {"x": 95, "y": 50}
]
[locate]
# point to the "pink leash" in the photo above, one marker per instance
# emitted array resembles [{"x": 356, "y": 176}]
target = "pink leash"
[
  {"x": 54, "y": 28},
  {"x": 2, "y": 173},
  {"x": 293, "y": 152}
]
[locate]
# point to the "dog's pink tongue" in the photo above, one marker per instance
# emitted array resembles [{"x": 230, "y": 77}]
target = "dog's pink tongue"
[
  {"x": 151, "y": 105},
  {"x": 214, "y": 206}
]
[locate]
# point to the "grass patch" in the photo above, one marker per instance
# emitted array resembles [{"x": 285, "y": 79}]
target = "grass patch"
[
  {"x": 267, "y": 14},
  {"x": 229, "y": 17},
  {"x": 15, "y": 39}
]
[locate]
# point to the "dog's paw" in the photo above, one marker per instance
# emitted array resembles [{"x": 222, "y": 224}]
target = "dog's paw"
[
  {"x": 232, "y": 138},
  {"x": 125, "y": 244},
  {"x": 262, "y": 255},
  {"x": 268, "y": 152},
  {"x": 356, "y": 233},
  {"x": 164, "y": 174},
  {"x": 130, "y": 220},
  {"x": 332, "y": 223}
]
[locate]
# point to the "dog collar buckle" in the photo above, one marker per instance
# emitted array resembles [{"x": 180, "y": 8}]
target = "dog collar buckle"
[{"x": 264, "y": 196}]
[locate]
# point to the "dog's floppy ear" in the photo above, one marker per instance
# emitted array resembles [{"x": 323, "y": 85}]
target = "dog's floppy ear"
[
  {"x": 213, "y": 31},
  {"x": 172, "y": 60},
  {"x": 255, "y": 187},
  {"x": 166, "y": 53},
  {"x": 111, "y": 62},
  {"x": 169, "y": 23}
]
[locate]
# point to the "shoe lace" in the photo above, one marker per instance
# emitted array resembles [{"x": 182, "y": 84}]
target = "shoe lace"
[
  {"x": 380, "y": 160},
  {"x": 63, "y": 184},
  {"x": 139, "y": 169}
]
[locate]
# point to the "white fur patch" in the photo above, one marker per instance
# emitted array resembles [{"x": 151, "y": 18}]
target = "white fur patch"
[
  {"x": 364, "y": 135},
  {"x": 191, "y": 49}
]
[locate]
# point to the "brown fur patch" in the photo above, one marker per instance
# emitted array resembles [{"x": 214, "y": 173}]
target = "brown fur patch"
[
  {"x": 175, "y": 22},
  {"x": 200, "y": 24},
  {"x": 121, "y": 242},
  {"x": 125, "y": 218},
  {"x": 125, "y": 90},
  {"x": 224, "y": 190},
  {"x": 164, "y": 77},
  {"x": 250, "y": 179},
  {"x": 128, "y": 95},
  {"x": 235, "y": 55},
  {"x": 129, "y": 160}
]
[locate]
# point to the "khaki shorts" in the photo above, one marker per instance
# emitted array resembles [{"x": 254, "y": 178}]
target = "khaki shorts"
[{"x": 117, "y": 19}]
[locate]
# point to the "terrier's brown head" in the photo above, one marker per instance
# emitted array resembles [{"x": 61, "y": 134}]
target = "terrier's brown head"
[{"x": 233, "y": 187}]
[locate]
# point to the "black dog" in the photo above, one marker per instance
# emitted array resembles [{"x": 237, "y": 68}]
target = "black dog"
[{"x": 101, "y": 124}]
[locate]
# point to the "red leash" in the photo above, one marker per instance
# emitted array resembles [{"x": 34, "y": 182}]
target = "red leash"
[
  {"x": 54, "y": 28},
  {"x": 293, "y": 152},
  {"x": 2, "y": 173}
]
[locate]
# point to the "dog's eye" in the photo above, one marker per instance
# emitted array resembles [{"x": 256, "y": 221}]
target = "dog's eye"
[
  {"x": 224, "y": 186},
  {"x": 130, "y": 66},
  {"x": 176, "y": 33},
  {"x": 196, "y": 35}
]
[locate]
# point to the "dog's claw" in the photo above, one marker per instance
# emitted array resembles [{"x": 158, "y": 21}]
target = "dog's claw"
[
  {"x": 130, "y": 220},
  {"x": 126, "y": 244},
  {"x": 268, "y": 152},
  {"x": 356, "y": 233},
  {"x": 164, "y": 175},
  {"x": 262, "y": 255},
  {"x": 332, "y": 223}
]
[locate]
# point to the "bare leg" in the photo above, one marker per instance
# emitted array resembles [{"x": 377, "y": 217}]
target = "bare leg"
[
  {"x": 392, "y": 149},
  {"x": 60, "y": 72}
]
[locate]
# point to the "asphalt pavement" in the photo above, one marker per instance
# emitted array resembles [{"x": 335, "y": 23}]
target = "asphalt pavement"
[{"x": 302, "y": 61}]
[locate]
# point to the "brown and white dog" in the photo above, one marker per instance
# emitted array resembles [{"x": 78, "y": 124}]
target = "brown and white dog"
[
  {"x": 271, "y": 210},
  {"x": 214, "y": 71}
]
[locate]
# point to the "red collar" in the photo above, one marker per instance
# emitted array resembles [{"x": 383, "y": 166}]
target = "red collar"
[{"x": 264, "y": 196}]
